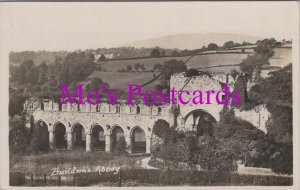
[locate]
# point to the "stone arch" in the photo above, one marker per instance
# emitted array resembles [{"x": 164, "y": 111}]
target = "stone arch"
[
  {"x": 42, "y": 120},
  {"x": 78, "y": 131},
  {"x": 97, "y": 137},
  {"x": 117, "y": 135},
  {"x": 78, "y": 123},
  {"x": 199, "y": 121},
  {"x": 40, "y": 134},
  {"x": 138, "y": 139},
  {"x": 60, "y": 131}
]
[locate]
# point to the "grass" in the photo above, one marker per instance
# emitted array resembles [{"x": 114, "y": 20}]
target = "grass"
[
  {"x": 42, "y": 164},
  {"x": 120, "y": 80},
  {"x": 282, "y": 57},
  {"x": 197, "y": 61}
]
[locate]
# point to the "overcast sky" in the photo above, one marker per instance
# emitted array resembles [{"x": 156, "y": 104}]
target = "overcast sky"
[{"x": 70, "y": 26}]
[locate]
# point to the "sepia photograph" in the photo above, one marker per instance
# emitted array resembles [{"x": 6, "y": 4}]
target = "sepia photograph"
[{"x": 149, "y": 94}]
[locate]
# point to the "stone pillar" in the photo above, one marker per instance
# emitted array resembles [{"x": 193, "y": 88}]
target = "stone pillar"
[
  {"x": 88, "y": 142},
  {"x": 70, "y": 140},
  {"x": 129, "y": 144},
  {"x": 148, "y": 144},
  {"x": 107, "y": 143},
  {"x": 51, "y": 140}
]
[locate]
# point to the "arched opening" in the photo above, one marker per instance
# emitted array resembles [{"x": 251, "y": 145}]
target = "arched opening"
[
  {"x": 98, "y": 138},
  {"x": 138, "y": 140},
  {"x": 60, "y": 136},
  {"x": 118, "y": 140},
  {"x": 78, "y": 136},
  {"x": 40, "y": 137},
  {"x": 138, "y": 110},
  {"x": 199, "y": 122},
  {"x": 42, "y": 106}
]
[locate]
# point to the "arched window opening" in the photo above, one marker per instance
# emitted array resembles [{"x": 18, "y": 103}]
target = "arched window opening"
[
  {"x": 138, "y": 140},
  {"x": 98, "y": 138},
  {"x": 79, "y": 137},
  {"x": 42, "y": 106},
  {"x": 138, "y": 110}
]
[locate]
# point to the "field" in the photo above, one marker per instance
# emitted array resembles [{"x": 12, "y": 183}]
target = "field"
[
  {"x": 120, "y": 80},
  {"x": 202, "y": 61},
  {"x": 198, "y": 61},
  {"x": 282, "y": 57}
]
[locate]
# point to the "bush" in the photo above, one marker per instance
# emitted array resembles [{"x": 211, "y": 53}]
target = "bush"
[
  {"x": 180, "y": 177},
  {"x": 121, "y": 146}
]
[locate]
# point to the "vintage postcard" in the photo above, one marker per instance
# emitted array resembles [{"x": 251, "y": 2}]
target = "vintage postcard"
[{"x": 149, "y": 94}]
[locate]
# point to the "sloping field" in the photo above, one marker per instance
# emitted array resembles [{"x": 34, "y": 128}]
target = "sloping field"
[
  {"x": 282, "y": 57},
  {"x": 202, "y": 61},
  {"x": 120, "y": 80},
  {"x": 197, "y": 61},
  {"x": 115, "y": 65}
]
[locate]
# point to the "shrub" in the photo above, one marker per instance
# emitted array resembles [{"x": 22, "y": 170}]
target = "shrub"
[{"x": 121, "y": 146}]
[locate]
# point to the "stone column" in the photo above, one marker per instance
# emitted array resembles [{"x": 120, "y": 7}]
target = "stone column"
[
  {"x": 129, "y": 144},
  {"x": 51, "y": 140},
  {"x": 148, "y": 144},
  {"x": 88, "y": 142},
  {"x": 70, "y": 140},
  {"x": 107, "y": 143}
]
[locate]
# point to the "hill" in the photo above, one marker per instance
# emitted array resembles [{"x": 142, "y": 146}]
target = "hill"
[{"x": 192, "y": 41}]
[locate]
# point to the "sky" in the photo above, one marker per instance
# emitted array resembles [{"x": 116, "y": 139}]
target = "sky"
[{"x": 71, "y": 26}]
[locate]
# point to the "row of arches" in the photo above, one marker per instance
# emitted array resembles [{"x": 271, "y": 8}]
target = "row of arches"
[{"x": 78, "y": 137}]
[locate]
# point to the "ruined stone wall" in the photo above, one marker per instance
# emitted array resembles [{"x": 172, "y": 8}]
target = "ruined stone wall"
[
  {"x": 203, "y": 83},
  {"x": 103, "y": 114},
  {"x": 257, "y": 116}
]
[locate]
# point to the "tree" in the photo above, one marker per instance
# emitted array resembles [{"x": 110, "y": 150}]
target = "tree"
[
  {"x": 18, "y": 136},
  {"x": 172, "y": 66},
  {"x": 252, "y": 62},
  {"x": 157, "y": 66},
  {"x": 137, "y": 66},
  {"x": 155, "y": 53},
  {"x": 121, "y": 146},
  {"x": 277, "y": 93},
  {"x": 212, "y": 46},
  {"x": 142, "y": 67},
  {"x": 228, "y": 44},
  {"x": 175, "y": 53},
  {"x": 128, "y": 68},
  {"x": 95, "y": 84},
  {"x": 102, "y": 57},
  {"x": 42, "y": 72}
]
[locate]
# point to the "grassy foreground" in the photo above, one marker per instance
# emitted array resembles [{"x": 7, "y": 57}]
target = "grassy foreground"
[{"x": 43, "y": 164}]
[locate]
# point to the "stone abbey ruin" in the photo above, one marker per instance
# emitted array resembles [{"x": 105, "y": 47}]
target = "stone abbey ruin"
[{"x": 100, "y": 127}]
